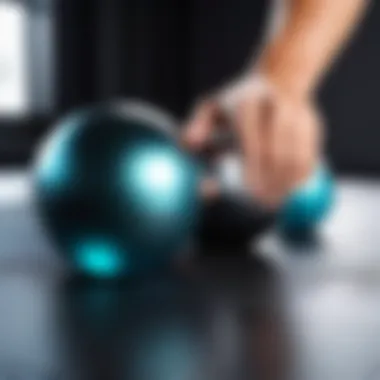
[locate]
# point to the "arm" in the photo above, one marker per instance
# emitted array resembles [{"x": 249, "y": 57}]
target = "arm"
[
  {"x": 304, "y": 38},
  {"x": 272, "y": 109}
]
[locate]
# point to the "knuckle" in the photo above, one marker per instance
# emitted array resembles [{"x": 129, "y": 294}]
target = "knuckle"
[
  {"x": 266, "y": 156},
  {"x": 301, "y": 170}
]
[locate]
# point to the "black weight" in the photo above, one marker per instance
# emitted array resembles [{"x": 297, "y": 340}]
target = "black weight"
[{"x": 233, "y": 218}]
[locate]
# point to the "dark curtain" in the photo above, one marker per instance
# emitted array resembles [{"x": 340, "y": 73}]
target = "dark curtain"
[
  {"x": 170, "y": 52},
  {"x": 351, "y": 100},
  {"x": 164, "y": 51}
]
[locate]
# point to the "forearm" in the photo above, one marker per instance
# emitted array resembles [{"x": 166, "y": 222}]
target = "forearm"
[{"x": 304, "y": 38}]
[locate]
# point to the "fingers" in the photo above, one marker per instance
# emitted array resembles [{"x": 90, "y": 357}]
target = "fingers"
[
  {"x": 200, "y": 128},
  {"x": 306, "y": 135},
  {"x": 261, "y": 136},
  {"x": 280, "y": 146},
  {"x": 273, "y": 137},
  {"x": 279, "y": 139},
  {"x": 296, "y": 153},
  {"x": 209, "y": 189},
  {"x": 249, "y": 136}
]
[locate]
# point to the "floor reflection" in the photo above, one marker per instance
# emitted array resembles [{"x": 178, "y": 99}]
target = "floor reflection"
[
  {"x": 31, "y": 338},
  {"x": 213, "y": 318},
  {"x": 337, "y": 325},
  {"x": 333, "y": 306},
  {"x": 312, "y": 308}
]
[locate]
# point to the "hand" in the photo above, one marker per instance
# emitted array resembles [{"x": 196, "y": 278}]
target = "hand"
[{"x": 278, "y": 132}]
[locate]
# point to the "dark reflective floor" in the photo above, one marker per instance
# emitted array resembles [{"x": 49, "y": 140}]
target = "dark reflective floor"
[
  {"x": 308, "y": 312},
  {"x": 215, "y": 320}
]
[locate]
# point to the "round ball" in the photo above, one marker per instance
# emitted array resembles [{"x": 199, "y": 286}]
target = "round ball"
[
  {"x": 115, "y": 192},
  {"x": 232, "y": 219},
  {"x": 309, "y": 204}
]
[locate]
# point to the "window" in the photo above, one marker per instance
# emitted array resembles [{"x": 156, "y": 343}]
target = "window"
[
  {"x": 25, "y": 57},
  {"x": 13, "y": 59}
]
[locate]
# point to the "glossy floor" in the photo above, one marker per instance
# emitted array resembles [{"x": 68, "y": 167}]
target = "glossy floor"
[{"x": 307, "y": 312}]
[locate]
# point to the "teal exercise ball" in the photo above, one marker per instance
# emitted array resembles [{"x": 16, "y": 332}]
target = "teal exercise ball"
[
  {"x": 309, "y": 204},
  {"x": 115, "y": 192}
]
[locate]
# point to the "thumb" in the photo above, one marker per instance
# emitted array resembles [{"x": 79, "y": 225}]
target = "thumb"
[
  {"x": 199, "y": 129},
  {"x": 209, "y": 189}
]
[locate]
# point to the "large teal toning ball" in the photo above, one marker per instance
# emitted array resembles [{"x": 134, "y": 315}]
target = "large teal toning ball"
[
  {"x": 309, "y": 204},
  {"x": 115, "y": 192}
]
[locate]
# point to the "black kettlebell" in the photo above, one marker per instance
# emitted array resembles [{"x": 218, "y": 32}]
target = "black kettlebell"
[{"x": 233, "y": 218}]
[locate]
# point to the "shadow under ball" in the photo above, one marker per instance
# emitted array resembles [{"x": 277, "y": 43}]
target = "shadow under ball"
[
  {"x": 115, "y": 192},
  {"x": 232, "y": 219}
]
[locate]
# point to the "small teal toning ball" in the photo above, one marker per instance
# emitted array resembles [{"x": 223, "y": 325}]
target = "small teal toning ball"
[{"x": 309, "y": 204}]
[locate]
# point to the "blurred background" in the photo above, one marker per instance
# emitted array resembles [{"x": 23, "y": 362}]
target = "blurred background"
[
  {"x": 56, "y": 55},
  {"x": 313, "y": 309}
]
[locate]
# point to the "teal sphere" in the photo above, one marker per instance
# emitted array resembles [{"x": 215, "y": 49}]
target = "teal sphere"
[
  {"x": 115, "y": 192},
  {"x": 309, "y": 204}
]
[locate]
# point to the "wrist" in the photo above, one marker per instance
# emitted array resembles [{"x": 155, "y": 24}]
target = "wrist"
[{"x": 290, "y": 71}]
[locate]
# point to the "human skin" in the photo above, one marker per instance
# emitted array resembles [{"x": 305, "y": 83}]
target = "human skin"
[{"x": 271, "y": 108}]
